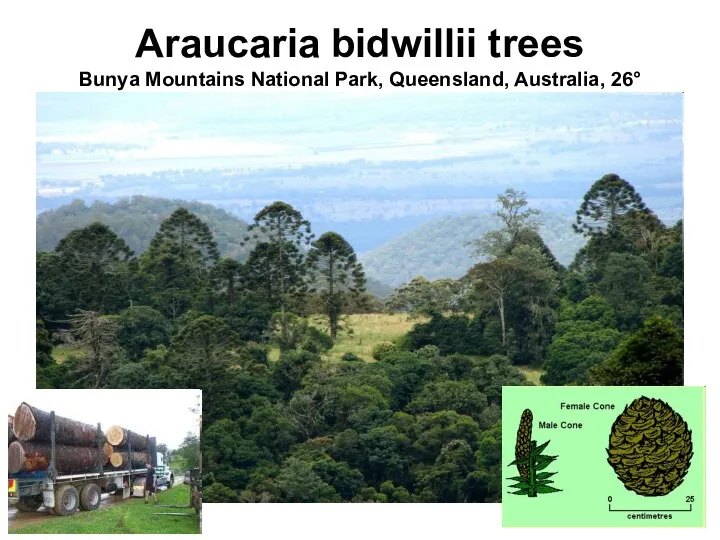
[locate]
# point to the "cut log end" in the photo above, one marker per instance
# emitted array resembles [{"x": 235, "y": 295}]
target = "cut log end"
[
  {"x": 122, "y": 438},
  {"x": 108, "y": 450},
  {"x": 115, "y": 435},
  {"x": 24, "y": 423},
  {"x": 16, "y": 457},
  {"x": 130, "y": 460},
  {"x": 116, "y": 459}
]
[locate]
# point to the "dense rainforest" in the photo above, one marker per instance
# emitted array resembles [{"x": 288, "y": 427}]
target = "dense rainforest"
[{"x": 418, "y": 420}]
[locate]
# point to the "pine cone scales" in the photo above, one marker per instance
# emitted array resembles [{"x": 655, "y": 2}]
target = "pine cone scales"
[
  {"x": 650, "y": 447},
  {"x": 522, "y": 445}
]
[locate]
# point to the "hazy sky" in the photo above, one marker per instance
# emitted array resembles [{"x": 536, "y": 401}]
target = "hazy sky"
[
  {"x": 86, "y": 135},
  {"x": 164, "y": 414}
]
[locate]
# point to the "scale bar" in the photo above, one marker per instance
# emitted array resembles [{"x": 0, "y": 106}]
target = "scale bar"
[{"x": 610, "y": 509}]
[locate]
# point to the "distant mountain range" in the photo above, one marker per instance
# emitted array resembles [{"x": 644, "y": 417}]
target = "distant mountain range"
[
  {"x": 137, "y": 219},
  {"x": 440, "y": 248},
  {"x": 437, "y": 248}
]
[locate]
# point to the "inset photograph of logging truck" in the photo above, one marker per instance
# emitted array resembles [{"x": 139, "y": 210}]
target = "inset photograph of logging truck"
[{"x": 105, "y": 461}]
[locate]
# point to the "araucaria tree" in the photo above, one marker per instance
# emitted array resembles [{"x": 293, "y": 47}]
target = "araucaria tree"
[
  {"x": 606, "y": 200},
  {"x": 188, "y": 238},
  {"x": 94, "y": 264},
  {"x": 277, "y": 259},
  {"x": 335, "y": 274},
  {"x": 178, "y": 261}
]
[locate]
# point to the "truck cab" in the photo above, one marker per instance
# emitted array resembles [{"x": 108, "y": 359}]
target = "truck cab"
[{"x": 164, "y": 475}]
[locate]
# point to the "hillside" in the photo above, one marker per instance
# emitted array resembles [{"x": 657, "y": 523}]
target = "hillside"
[
  {"x": 137, "y": 219},
  {"x": 438, "y": 249}
]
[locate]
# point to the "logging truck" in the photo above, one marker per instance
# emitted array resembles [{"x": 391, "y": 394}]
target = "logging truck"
[{"x": 35, "y": 480}]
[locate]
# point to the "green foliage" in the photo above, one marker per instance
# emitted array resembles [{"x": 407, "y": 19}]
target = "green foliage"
[
  {"x": 626, "y": 284},
  {"x": 606, "y": 200},
  {"x": 217, "y": 493},
  {"x": 189, "y": 451},
  {"x": 336, "y": 275},
  {"x": 382, "y": 349},
  {"x": 422, "y": 424},
  {"x": 137, "y": 219},
  {"x": 456, "y": 334},
  {"x": 177, "y": 264},
  {"x": 287, "y": 330},
  {"x": 584, "y": 337},
  {"x": 652, "y": 356},
  {"x": 316, "y": 341},
  {"x": 519, "y": 283},
  {"x": 571, "y": 354},
  {"x": 53, "y": 375},
  {"x": 43, "y": 346},
  {"x": 95, "y": 263},
  {"x": 424, "y": 297},
  {"x": 533, "y": 479},
  {"x": 277, "y": 261},
  {"x": 141, "y": 328}
]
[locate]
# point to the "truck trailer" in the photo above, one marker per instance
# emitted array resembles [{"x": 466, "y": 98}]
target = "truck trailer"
[{"x": 63, "y": 494}]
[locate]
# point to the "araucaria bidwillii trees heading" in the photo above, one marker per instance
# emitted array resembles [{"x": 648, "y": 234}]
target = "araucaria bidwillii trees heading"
[{"x": 335, "y": 274}]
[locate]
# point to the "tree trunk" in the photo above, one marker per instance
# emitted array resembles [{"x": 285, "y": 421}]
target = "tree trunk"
[
  {"x": 118, "y": 437},
  {"x": 138, "y": 460},
  {"x": 501, "y": 308},
  {"x": 35, "y": 456},
  {"x": 31, "y": 424}
]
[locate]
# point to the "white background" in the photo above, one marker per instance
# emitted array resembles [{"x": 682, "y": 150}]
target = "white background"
[{"x": 47, "y": 44}]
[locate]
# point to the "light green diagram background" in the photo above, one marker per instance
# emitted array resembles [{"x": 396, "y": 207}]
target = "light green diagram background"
[{"x": 583, "y": 473}]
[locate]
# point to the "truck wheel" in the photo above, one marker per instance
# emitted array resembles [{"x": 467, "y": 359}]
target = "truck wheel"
[
  {"x": 66, "y": 500},
  {"x": 90, "y": 497},
  {"x": 30, "y": 503}
]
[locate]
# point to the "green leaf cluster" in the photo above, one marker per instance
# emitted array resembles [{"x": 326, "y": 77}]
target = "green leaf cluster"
[{"x": 538, "y": 482}]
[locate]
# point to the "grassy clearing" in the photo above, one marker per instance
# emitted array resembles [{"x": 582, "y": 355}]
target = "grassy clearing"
[
  {"x": 368, "y": 330},
  {"x": 131, "y": 517},
  {"x": 532, "y": 374},
  {"x": 62, "y": 352}
]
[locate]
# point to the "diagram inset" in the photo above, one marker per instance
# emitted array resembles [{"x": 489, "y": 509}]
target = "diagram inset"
[{"x": 650, "y": 447}]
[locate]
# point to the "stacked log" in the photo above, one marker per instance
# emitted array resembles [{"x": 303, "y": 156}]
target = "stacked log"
[
  {"x": 119, "y": 438},
  {"x": 11, "y": 433},
  {"x": 108, "y": 450},
  {"x": 77, "y": 445},
  {"x": 132, "y": 460},
  {"x": 33, "y": 456},
  {"x": 32, "y": 424}
]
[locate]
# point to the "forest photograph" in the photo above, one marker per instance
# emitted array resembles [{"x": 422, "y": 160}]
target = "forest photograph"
[{"x": 351, "y": 282}]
